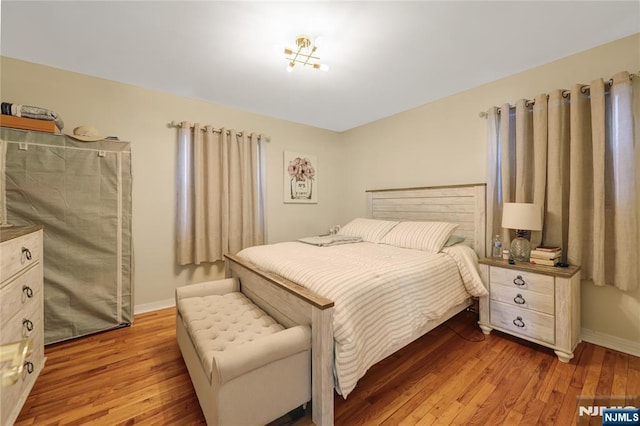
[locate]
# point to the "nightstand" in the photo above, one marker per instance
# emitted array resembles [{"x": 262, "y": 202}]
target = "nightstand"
[{"x": 533, "y": 302}]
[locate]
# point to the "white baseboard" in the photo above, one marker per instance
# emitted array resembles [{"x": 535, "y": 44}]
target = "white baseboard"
[
  {"x": 608, "y": 341},
  {"x": 153, "y": 306}
]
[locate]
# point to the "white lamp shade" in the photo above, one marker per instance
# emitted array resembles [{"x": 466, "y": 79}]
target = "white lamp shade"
[{"x": 523, "y": 216}]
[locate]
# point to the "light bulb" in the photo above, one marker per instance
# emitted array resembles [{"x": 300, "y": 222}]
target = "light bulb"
[
  {"x": 290, "y": 66},
  {"x": 324, "y": 67}
]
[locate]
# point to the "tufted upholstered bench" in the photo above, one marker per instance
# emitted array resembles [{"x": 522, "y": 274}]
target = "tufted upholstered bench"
[{"x": 245, "y": 367}]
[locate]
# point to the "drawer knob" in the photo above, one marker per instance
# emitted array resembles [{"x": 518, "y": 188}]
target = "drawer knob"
[
  {"x": 518, "y": 322},
  {"x": 519, "y": 299},
  {"x": 27, "y": 253},
  {"x": 27, "y": 324},
  {"x": 28, "y": 291},
  {"x": 28, "y": 365},
  {"x": 519, "y": 281}
]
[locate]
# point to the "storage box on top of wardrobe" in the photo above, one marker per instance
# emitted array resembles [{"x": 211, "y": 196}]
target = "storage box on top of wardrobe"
[{"x": 28, "y": 124}]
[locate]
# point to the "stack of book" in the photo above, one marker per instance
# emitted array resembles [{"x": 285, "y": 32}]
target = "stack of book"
[{"x": 550, "y": 256}]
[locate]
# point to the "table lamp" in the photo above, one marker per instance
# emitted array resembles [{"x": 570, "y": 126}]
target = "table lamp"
[{"x": 523, "y": 217}]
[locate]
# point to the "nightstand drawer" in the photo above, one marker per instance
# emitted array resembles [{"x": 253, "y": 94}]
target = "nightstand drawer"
[
  {"x": 523, "y": 322},
  {"x": 523, "y": 280},
  {"x": 521, "y": 298}
]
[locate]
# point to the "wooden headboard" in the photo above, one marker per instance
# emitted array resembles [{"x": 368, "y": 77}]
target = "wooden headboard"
[{"x": 461, "y": 204}]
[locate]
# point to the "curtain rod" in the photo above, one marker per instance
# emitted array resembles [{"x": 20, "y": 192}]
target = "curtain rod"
[
  {"x": 565, "y": 94},
  {"x": 215, "y": 130}
]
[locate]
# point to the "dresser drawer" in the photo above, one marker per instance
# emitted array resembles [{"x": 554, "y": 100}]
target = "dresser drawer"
[
  {"x": 523, "y": 322},
  {"x": 21, "y": 293},
  {"x": 522, "y": 298},
  {"x": 523, "y": 280},
  {"x": 19, "y": 254},
  {"x": 13, "y": 396},
  {"x": 27, "y": 324}
]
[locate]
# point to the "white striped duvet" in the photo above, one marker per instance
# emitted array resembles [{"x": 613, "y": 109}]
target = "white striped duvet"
[{"x": 383, "y": 294}]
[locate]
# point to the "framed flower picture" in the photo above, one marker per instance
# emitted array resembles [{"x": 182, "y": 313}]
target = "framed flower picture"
[{"x": 300, "y": 183}]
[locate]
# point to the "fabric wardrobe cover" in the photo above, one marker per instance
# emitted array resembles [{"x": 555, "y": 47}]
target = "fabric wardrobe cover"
[{"x": 81, "y": 193}]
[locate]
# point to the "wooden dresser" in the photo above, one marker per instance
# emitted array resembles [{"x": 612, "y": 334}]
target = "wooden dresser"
[
  {"x": 537, "y": 303},
  {"x": 21, "y": 310}
]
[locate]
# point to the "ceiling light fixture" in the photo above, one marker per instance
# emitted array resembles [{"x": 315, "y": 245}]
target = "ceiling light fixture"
[{"x": 304, "y": 54}]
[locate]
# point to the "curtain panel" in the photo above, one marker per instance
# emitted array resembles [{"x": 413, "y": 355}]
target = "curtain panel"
[
  {"x": 220, "y": 193},
  {"x": 572, "y": 152}
]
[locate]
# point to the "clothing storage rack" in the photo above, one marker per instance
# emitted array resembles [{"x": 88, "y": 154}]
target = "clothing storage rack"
[{"x": 81, "y": 193}]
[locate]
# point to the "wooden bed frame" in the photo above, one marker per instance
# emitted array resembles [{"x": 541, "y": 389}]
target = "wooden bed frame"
[{"x": 292, "y": 304}]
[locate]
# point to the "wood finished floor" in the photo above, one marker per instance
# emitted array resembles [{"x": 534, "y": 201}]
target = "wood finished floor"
[{"x": 453, "y": 375}]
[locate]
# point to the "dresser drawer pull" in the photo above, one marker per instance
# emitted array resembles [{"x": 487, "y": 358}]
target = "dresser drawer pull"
[
  {"x": 519, "y": 281},
  {"x": 28, "y": 365},
  {"x": 27, "y": 253},
  {"x": 518, "y": 322},
  {"x": 519, "y": 299},
  {"x": 28, "y": 291},
  {"x": 27, "y": 324}
]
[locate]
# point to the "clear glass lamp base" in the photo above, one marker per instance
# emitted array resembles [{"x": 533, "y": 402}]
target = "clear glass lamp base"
[{"x": 520, "y": 249}]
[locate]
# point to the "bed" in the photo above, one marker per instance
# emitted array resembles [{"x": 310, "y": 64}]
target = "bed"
[{"x": 365, "y": 300}]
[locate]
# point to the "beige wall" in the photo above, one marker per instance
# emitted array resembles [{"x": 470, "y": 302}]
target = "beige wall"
[
  {"x": 439, "y": 143},
  {"x": 444, "y": 142},
  {"x": 141, "y": 116}
]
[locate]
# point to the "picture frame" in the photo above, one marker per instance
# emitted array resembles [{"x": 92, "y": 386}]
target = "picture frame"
[{"x": 300, "y": 178}]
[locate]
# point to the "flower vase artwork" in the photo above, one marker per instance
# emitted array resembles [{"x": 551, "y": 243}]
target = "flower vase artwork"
[
  {"x": 302, "y": 172},
  {"x": 300, "y": 179}
]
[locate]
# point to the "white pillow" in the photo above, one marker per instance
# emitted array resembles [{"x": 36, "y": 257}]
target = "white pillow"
[
  {"x": 427, "y": 236},
  {"x": 370, "y": 230}
]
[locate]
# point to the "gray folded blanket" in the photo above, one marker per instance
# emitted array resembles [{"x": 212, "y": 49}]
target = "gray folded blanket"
[
  {"x": 32, "y": 112},
  {"x": 330, "y": 240}
]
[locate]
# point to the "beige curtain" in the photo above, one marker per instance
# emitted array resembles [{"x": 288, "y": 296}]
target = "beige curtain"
[
  {"x": 574, "y": 154},
  {"x": 220, "y": 193}
]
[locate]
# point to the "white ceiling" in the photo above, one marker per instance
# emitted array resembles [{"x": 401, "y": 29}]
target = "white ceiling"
[{"x": 385, "y": 57}]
